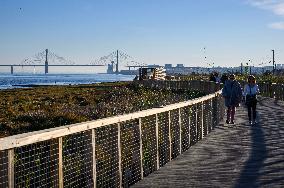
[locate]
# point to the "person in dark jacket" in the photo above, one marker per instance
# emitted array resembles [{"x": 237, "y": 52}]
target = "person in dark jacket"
[{"x": 232, "y": 92}]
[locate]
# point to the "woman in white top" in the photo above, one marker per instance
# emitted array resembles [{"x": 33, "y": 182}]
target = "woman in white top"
[{"x": 250, "y": 91}]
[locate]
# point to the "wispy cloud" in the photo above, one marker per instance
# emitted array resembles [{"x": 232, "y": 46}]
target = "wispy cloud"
[
  {"x": 275, "y": 6},
  {"x": 277, "y": 25}
]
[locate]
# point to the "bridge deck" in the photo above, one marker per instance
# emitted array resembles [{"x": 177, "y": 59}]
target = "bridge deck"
[{"x": 231, "y": 155}]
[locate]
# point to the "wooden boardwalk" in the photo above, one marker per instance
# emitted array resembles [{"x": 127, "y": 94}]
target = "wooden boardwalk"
[{"x": 237, "y": 155}]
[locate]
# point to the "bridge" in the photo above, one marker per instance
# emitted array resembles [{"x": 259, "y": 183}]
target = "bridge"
[
  {"x": 43, "y": 59},
  {"x": 185, "y": 144}
]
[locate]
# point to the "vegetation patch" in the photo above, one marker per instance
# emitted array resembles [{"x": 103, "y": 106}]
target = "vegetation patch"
[{"x": 31, "y": 109}]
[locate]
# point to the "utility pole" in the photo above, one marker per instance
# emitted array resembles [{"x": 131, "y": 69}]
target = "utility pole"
[
  {"x": 250, "y": 66},
  {"x": 46, "y": 62},
  {"x": 116, "y": 70},
  {"x": 241, "y": 68},
  {"x": 273, "y": 61}
]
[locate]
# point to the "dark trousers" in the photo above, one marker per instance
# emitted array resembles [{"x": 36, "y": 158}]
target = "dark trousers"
[{"x": 251, "y": 109}]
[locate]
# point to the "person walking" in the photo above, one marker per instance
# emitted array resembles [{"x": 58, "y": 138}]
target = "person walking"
[
  {"x": 232, "y": 92},
  {"x": 251, "y": 90}
]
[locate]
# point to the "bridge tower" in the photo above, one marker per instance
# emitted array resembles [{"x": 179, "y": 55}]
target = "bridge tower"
[
  {"x": 12, "y": 69},
  {"x": 116, "y": 70},
  {"x": 46, "y": 62}
]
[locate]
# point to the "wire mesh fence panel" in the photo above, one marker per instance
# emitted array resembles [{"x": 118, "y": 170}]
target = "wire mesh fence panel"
[
  {"x": 130, "y": 152},
  {"x": 185, "y": 128},
  {"x": 164, "y": 143},
  {"x": 4, "y": 168},
  {"x": 278, "y": 92},
  {"x": 282, "y": 94},
  {"x": 206, "y": 117},
  {"x": 175, "y": 133},
  {"x": 214, "y": 112},
  {"x": 77, "y": 160},
  {"x": 210, "y": 116},
  {"x": 199, "y": 122},
  {"x": 36, "y": 165},
  {"x": 149, "y": 144},
  {"x": 264, "y": 89},
  {"x": 221, "y": 108},
  {"x": 193, "y": 124},
  {"x": 106, "y": 154}
]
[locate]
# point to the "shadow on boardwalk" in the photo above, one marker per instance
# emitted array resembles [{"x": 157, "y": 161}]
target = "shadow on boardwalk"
[
  {"x": 258, "y": 154},
  {"x": 231, "y": 155}
]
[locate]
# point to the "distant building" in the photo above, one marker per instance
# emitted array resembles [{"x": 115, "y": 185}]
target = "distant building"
[
  {"x": 167, "y": 66},
  {"x": 110, "y": 68},
  {"x": 154, "y": 66},
  {"x": 280, "y": 66},
  {"x": 129, "y": 72},
  {"x": 180, "y": 66}
]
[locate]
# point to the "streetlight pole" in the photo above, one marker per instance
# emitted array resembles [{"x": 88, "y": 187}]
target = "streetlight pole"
[{"x": 273, "y": 61}]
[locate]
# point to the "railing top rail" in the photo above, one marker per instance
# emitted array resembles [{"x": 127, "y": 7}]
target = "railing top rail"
[{"x": 47, "y": 134}]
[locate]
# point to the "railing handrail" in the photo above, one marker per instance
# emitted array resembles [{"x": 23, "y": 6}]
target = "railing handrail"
[{"x": 52, "y": 133}]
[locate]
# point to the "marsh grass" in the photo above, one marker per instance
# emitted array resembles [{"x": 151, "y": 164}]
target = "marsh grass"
[{"x": 32, "y": 109}]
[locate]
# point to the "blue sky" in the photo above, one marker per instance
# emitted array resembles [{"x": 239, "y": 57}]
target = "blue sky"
[{"x": 151, "y": 31}]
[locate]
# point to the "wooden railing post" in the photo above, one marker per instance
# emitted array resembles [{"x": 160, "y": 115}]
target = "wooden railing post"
[
  {"x": 218, "y": 110},
  {"x": 170, "y": 137},
  {"x": 202, "y": 114},
  {"x": 60, "y": 162},
  {"x": 11, "y": 174},
  {"x": 157, "y": 142},
  {"x": 196, "y": 123},
  {"x": 211, "y": 116},
  {"x": 208, "y": 116},
  {"x": 189, "y": 125},
  {"x": 179, "y": 122},
  {"x": 282, "y": 85},
  {"x": 94, "y": 158},
  {"x": 119, "y": 155},
  {"x": 141, "y": 147}
]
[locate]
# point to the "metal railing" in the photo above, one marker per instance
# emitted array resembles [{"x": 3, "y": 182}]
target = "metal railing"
[
  {"x": 112, "y": 152},
  {"x": 272, "y": 90}
]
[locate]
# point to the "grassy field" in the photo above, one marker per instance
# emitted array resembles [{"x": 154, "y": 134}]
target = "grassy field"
[{"x": 31, "y": 109}]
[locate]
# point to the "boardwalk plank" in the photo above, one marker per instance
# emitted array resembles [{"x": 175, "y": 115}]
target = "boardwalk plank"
[{"x": 237, "y": 155}]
